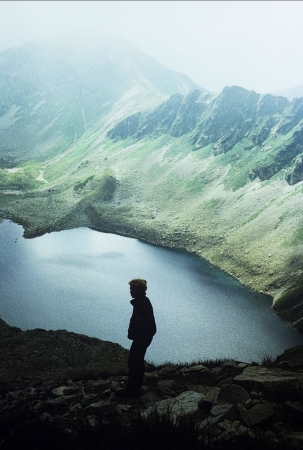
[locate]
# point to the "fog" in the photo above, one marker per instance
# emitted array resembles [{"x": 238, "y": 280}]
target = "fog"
[{"x": 256, "y": 45}]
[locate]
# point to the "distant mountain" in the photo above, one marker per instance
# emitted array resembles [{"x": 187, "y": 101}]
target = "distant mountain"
[
  {"x": 54, "y": 89},
  {"x": 291, "y": 93}
]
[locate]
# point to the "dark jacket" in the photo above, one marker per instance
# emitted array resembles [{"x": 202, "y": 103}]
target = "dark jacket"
[{"x": 142, "y": 324}]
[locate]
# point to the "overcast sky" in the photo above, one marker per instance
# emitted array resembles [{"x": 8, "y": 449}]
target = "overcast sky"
[{"x": 256, "y": 45}]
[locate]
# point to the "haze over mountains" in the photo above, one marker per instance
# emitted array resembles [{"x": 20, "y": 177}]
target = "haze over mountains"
[
  {"x": 102, "y": 135},
  {"x": 52, "y": 90}
]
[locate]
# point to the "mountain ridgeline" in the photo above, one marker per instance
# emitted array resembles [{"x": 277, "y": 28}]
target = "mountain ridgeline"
[
  {"x": 263, "y": 124},
  {"x": 96, "y": 133}
]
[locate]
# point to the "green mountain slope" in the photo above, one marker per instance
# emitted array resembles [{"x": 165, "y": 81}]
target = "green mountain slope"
[{"x": 217, "y": 175}]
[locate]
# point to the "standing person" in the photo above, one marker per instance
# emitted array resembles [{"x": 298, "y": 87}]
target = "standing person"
[{"x": 142, "y": 328}]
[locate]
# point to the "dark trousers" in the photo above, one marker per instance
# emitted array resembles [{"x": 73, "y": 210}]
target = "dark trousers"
[{"x": 136, "y": 367}]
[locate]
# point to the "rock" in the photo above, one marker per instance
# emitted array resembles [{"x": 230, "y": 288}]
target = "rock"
[
  {"x": 220, "y": 413},
  {"x": 206, "y": 403},
  {"x": 226, "y": 411},
  {"x": 295, "y": 409},
  {"x": 64, "y": 390},
  {"x": 87, "y": 400},
  {"x": 151, "y": 398},
  {"x": 164, "y": 372},
  {"x": 185, "y": 404},
  {"x": 76, "y": 407},
  {"x": 258, "y": 414},
  {"x": 271, "y": 382},
  {"x": 229, "y": 380},
  {"x": 232, "y": 393},
  {"x": 228, "y": 363},
  {"x": 290, "y": 355},
  {"x": 166, "y": 386},
  {"x": 199, "y": 388},
  {"x": 104, "y": 408},
  {"x": 59, "y": 404},
  {"x": 198, "y": 368}
]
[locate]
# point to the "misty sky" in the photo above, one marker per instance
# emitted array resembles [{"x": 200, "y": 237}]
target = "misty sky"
[{"x": 256, "y": 45}]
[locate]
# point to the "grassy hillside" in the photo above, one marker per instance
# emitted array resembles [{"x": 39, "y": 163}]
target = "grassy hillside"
[{"x": 161, "y": 191}]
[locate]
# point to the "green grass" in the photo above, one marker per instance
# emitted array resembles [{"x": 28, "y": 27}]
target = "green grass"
[
  {"x": 295, "y": 239},
  {"x": 82, "y": 184},
  {"x": 213, "y": 203}
]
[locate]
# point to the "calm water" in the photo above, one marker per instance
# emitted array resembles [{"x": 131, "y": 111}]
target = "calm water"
[{"x": 78, "y": 280}]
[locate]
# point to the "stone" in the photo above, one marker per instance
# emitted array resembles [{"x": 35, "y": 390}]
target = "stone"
[
  {"x": 206, "y": 403},
  {"x": 62, "y": 400},
  {"x": 291, "y": 354},
  {"x": 298, "y": 362},
  {"x": 199, "y": 388},
  {"x": 150, "y": 398},
  {"x": 104, "y": 408},
  {"x": 229, "y": 380},
  {"x": 185, "y": 404},
  {"x": 226, "y": 411},
  {"x": 164, "y": 372},
  {"x": 219, "y": 413},
  {"x": 295, "y": 409},
  {"x": 165, "y": 386},
  {"x": 64, "y": 390},
  {"x": 232, "y": 393},
  {"x": 228, "y": 363},
  {"x": 76, "y": 407},
  {"x": 87, "y": 400},
  {"x": 258, "y": 414},
  {"x": 271, "y": 381}
]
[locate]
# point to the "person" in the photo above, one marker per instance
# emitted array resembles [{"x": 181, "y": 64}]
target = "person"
[{"x": 141, "y": 330}]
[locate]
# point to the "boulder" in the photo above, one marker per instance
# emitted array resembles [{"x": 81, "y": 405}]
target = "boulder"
[
  {"x": 219, "y": 413},
  {"x": 232, "y": 393},
  {"x": 206, "y": 403},
  {"x": 185, "y": 404},
  {"x": 258, "y": 414},
  {"x": 272, "y": 382},
  {"x": 166, "y": 386}
]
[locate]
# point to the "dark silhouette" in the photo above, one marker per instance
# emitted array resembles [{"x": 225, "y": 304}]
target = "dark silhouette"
[{"x": 142, "y": 328}]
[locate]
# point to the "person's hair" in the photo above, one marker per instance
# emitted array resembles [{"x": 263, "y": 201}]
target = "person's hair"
[{"x": 139, "y": 284}]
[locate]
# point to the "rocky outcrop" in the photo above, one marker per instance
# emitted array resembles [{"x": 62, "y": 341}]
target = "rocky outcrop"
[
  {"x": 296, "y": 173},
  {"x": 235, "y": 116},
  {"x": 177, "y": 116},
  {"x": 225, "y": 404},
  {"x": 38, "y": 355},
  {"x": 281, "y": 159}
]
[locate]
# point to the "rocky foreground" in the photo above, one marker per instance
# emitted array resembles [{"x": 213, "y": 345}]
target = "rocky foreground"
[{"x": 226, "y": 404}]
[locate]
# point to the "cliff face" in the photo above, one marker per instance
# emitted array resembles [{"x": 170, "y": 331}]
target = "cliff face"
[{"x": 236, "y": 116}]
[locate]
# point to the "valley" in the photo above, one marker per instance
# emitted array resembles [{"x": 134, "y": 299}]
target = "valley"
[{"x": 218, "y": 175}]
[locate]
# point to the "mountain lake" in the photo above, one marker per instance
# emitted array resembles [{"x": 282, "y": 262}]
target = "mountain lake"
[{"x": 78, "y": 280}]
